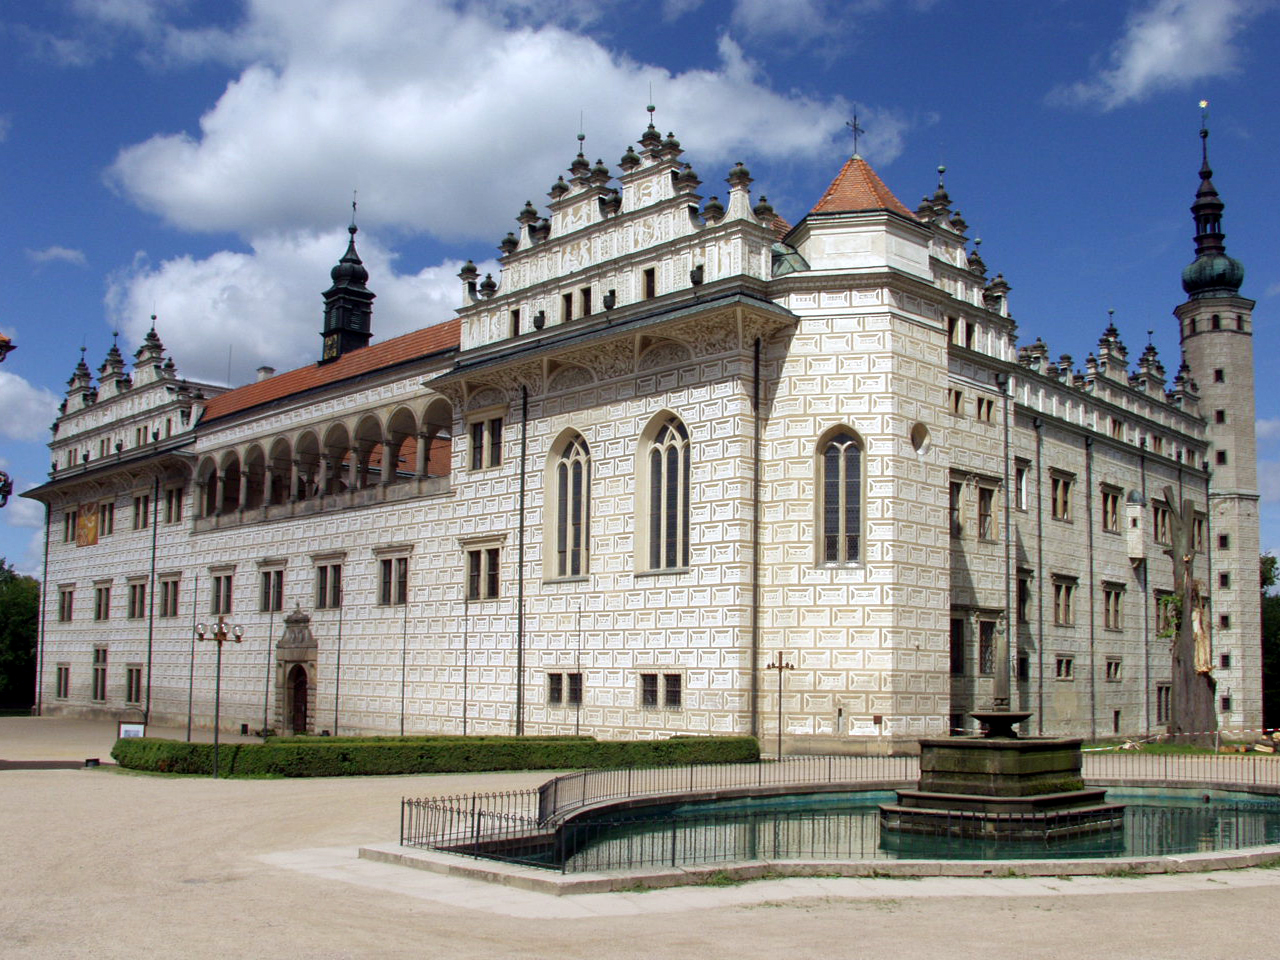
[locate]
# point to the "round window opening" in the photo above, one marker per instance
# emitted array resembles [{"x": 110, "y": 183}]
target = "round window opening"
[{"x": 920, "y": 438}]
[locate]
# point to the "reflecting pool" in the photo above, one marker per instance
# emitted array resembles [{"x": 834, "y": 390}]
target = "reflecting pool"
[{"x": 846, "y": 826}]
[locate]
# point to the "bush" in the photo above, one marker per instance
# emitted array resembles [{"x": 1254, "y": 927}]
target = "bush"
[{"x": 373, "y": 756}]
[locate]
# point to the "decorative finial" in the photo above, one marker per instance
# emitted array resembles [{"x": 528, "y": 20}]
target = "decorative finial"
[
  {"x": 353, "y": 211},
  {"x": 941, "y": 172},
  {"x": 1150, "y": 334},
  {"x": 857, "y": 131},
  {"x": 1204, "y": 131}
]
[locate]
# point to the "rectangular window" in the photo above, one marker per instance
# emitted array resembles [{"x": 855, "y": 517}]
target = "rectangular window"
[
  {"x": 329, "y": 586},
  {"x": 648, "y": 689},
  {"x": 986, "y": 647},
  {"x": 486, "y": 443},
  {"x": 1226, "y": 704},
  {"x": 1024, "y": 597},
  {"x": 1024, "y": 668},
  {"x": 1224, "y": 541},
  {"x": 137, "y": 600},
  {"x": 169, "y": 597},
  {"x": 221, "y": 597},
  {"x": 1020, "y": 473},
  {"x": 271, "y": 595},
  {"x": 564, "y": 688},
  {"x": 566, "y": 307},
  {"x": 393, "y": 583},
  {"x": 1064, "y": 595},
  {"x": 970, "y": 328},
  {"x": 106, "y": 519},
  {"x": 1219, "y": 416},
  {"x": 483, "y": 570},
  {"x": 1164, "y": 611},
  {"x": 1224, "y": 661},
  {"x": 575, "y": 689},
  {"x": 1224, "y": 621},
  {"x": 1065, "y": 668},
  {"x": 141, "y": 511},
  {"x": 1060, "y": 492},
  {"x": 133, "y": 683},
  {"x": 1113, "y": 669},
  {"x": 956, "y": 398},
  {"x": 1221, "y": 457},
  {"x": 585, "y": 301},
  {"x": 66, "y": 604},
  {"x": 986, "y": 409},
  {"x": 555, "y": 688},
  {"x": 671, "y": 689},
  {"x": 515, "y": 323},
  {"x": 99, "y": 673},
  {"x": 1219, "y": 375},
  {"x": 650, "y": 283},
  {"x": 955, "y": 507},
  {"x": 1224, "y": 581},
  {"x": 69, "y": 522},
  {"x": 1111, "y": 509},
  {"x": 173, "y": 498},
  {"x": 62, "y": 690},
  {"x": 1199, "y": 532},
  {"x": 986, "y": 513},
  {"x": 1117, "y": 428},
  {"x": 102, "y": 603},
  {"x": 1157, "y": 444},
  {"x": 1113, "y": 606},
  {"x": 1164, "y": 700},
  {"x": 957, "y": 647},
  {"x": 1161, "y": 523}
]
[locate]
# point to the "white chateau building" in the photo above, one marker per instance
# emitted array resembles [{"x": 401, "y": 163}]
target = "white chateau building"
[{"x": 675, "y": 442}]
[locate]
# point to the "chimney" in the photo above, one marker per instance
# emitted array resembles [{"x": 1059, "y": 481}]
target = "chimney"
[{"x": 266, "y": 373}]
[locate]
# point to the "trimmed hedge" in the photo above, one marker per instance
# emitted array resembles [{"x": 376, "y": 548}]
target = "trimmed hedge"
[{"x": 374, "y": 756}]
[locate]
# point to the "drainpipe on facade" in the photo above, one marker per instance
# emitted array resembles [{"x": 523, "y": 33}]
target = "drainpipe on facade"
[
  {"x": 1038, "y": 424},
  {"x": 191, "y": 675},
  {"x": 337, "y": 673},
  {"x": 524, "y": 450},
  {"x": 1145, "y": 582},
  {"x": 1093, "y": 638},
  {"x": 44, "y": 603},
  {"x": 755, "y": 545},
  {"x": 404, "y": 654},
  {"x": 1010, "y": 629},
  {"x": 151, "y": 591}
]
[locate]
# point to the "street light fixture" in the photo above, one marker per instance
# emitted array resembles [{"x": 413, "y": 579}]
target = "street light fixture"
[
  {"x": 780, "y": 665},
  {"x": 219, "y": 633}
]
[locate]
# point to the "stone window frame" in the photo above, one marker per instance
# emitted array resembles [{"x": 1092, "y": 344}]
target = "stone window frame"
[
  {"x": 485, "y": 440},
  {"x": 652, "y": 553},
  {"x": 328, "y": 578},
  {"x": 133, "y": 683},
  {"x": 567, "y": 557},
  {"x": 1114, "y": 669},
  {"x": 665, "y": 692},
  {"x": 1061, "y": 487},
  {"x": 102, "y": 600},
  {"x": 482, "y": 567},
  {"x": 222, "y": 589},
  {"x": 1113, "y": 605},
  {"x": 1064, "y": 591},
  {"x": 66, "y": 602},
  {"x": 271, "y": 584},
  {"x": 137, "y": 606},
  {"x": 62, "y": 680},
  {"x": 170, "y": 586},
  {"x": 1110, "y": 501},
  {"x": 393, "y": 560},
  {"x": 844, "y": 514}
]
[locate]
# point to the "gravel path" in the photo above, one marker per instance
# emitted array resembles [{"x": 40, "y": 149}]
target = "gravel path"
[{"x": 103, "y": 863}]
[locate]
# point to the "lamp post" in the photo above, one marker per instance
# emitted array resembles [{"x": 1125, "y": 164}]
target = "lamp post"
[
  {"x": 780, "y": 665},
  {"x": 219, "y": 633}
]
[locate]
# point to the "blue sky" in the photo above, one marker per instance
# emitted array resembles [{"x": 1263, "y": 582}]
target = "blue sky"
[{"x": 197, "y": 160}]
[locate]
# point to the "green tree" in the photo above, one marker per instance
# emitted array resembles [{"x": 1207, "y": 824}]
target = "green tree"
[
  {"x": 1270, "y": 643},
  {"x": 19, "y": 613}
]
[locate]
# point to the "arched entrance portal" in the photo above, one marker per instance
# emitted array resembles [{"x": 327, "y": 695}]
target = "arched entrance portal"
[
  {"x": 298, "y": 699},
  {"x": 296, "y": 676}
]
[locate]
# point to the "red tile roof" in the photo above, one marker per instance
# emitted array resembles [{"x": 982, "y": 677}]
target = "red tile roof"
[
  {"x": 856, "y": 188},
  {"x": 376, "y": 356}
]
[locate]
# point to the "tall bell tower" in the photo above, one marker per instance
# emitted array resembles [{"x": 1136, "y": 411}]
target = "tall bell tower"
[{"x": 1216, "y": 326}]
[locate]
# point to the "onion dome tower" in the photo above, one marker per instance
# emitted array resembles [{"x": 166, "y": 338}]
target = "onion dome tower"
[
  {"x": 1216, "y": 326},
  {"x": 348, "y": 304}
]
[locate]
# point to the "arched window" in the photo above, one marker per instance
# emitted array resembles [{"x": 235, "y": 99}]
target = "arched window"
[
  {"x": 669, "y": 496},
  {"x": 573, "y": 509},
  {"x": 841, "y": 499}
]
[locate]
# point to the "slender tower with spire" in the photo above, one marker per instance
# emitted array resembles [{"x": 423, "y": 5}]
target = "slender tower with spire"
[
  {"x": 348, "y": 304},
  {"x": 1216, "y": 326}
]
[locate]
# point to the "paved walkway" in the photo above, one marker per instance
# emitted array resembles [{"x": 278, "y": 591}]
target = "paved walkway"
[{"x": 105, "y": 863}]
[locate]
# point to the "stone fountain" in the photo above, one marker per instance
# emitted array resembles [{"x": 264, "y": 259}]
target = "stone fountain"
[{"x": 1000, "y": 786}]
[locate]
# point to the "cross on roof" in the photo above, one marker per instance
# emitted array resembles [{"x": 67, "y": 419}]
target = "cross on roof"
[{"x": 857, "y": 132}]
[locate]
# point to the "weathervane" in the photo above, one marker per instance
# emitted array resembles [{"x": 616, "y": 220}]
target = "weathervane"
[
  {"x": 857, "y": 132},
  {"x": 354, "y": 194}
]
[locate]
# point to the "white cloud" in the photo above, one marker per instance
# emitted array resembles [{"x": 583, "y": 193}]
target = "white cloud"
[
  {"x": 1169, "y": 44},
  {"x": 675, "y": 9},
  {"x": 1267, "y": 428},
  {"x": 23, "y": 513},
  {"x": 265, "y": 303},
  {"x": 1269, "y": 480},
  {"x": 444, "y": 119},
  {"x": 58, "y": 254},
  {"x": 28, "y": 410}
]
